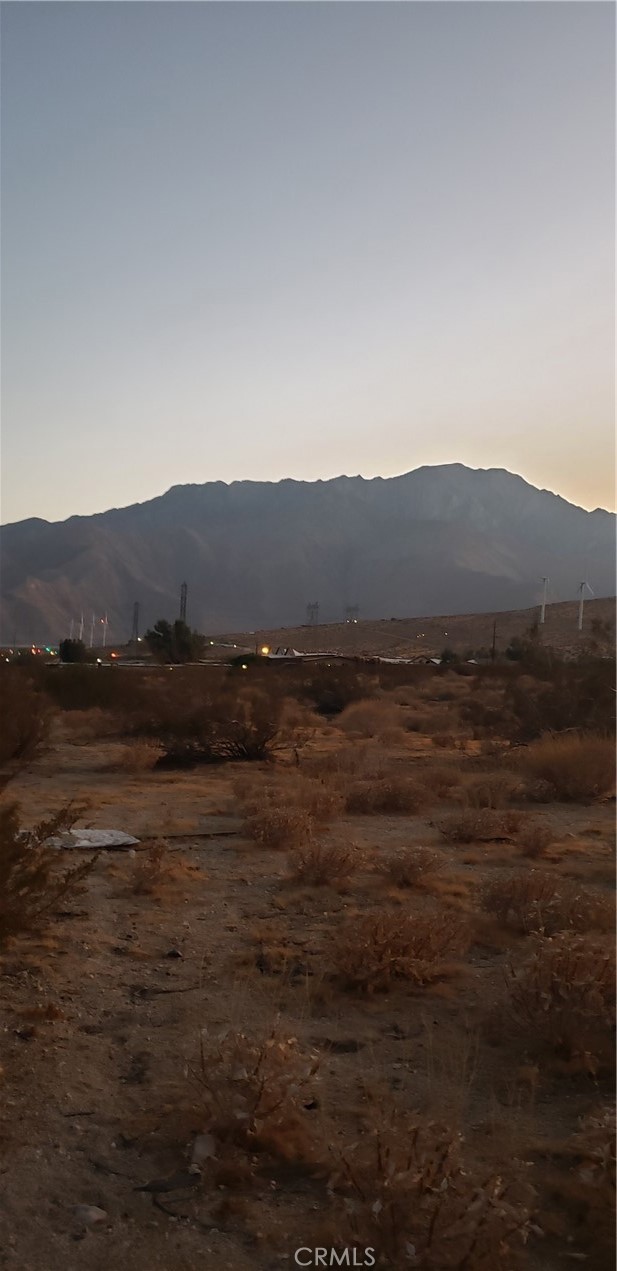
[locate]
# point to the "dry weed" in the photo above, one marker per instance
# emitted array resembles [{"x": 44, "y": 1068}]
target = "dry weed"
[
  {"x": 318, "y": 864},
  {"x": 384, "y": 795},
  {"x": 405, "y": 1190},
  {"x": 31, "y": 885},
  {"x": 279, "y": 828},
  {"x": 474, "y": 825},
  {"x": 563, "y": 998},
  {"x": 373, "y": 951},
  {"x": 411, "y": 866},
  {"x": 579, "y": 766},
  {"x": 538, "y": 902},
  {"x": 534, "y": 839},
  {"x": 150, "y": 869},
  {"x": 255, "y": 1093},
  {"x": 138, "y": 756},
  {"x": 492, "y": 790},
  {"x": 369, "y": 718}
]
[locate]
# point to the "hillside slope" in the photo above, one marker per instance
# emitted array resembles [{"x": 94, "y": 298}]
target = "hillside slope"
[{"x": 445, "y": 539}]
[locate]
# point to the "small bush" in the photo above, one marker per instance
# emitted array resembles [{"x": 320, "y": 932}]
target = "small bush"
[
  {"x": 254, "y": 1093},
  {"x": 411, "y": 866},
  {"x": 480, "y": 825},
  {"x": 563, "y": 998},
  {"x": 494, "y": 790},
  {"x": 386, "y": 795},
  {"x": 279, "y": 828},
  {"x": 537, "y": 902},
  {"x": 369, "y": 719},
  {"x": 579, "y": 767},
  {"x": 330, "y": 691},
  {"x": 318, "y": 864},
  {"x": 373, "y": 951},
  {"x": 149, "y": 869},
  {"x": 224, "y": 729},
  {"x": 405, "y": 1189},
  {"x": 31, "y": 884},
  {"x": 140, "y": 755},
  {"x": 534, "y": 839},
  {"x": 26, "y": 718}
]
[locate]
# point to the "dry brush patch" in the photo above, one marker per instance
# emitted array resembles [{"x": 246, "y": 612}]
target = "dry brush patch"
[
  {"x": 405, "y": 1189},
  {"x": 370, "y": 718},
  {"x": 534, "y": 901},
  {"x": 31, "y": 882},
  {"x": 26, "y": 718},
  {"x": 384, "y": 795},
  {"x": 372, "y": 952},
  {"x": 412, "y": 866},
  {"x": 254, "y": 1093},
  {"x": 562, "y": 999},
  {"x": 472, "y": 825},
  {"x": 326, "y": 862},
  {"x": 580, "y": 767}
]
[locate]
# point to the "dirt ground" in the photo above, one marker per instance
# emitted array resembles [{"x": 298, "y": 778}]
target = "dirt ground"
[{"x": 103, "y": 1015}]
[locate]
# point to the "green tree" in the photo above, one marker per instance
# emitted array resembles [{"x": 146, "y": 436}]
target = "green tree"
[{"x": 175, "y": 643}]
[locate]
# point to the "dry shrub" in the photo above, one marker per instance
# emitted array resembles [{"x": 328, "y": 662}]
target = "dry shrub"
[
  {"x": 138, "y": 756},
  {"x": 538, "y": 902},
  {"x": 26, "y": 718},
  {"x": 320, "y": 863},
  {"x": 441, "y": 780},
  {"x": 383, "y": 795},
  {"x": 254, "y": 1093},
  {"x": 364, "y": 759},
  {"x": 91, "y": 725},
  {"x": 284, "y": 814},
  {"x": 150, "y": 869},
  {"x": 445, "y": 741},
  {"x": 232, "y": 726},
  {"x": 473, "y": 825},
  {"x": 279, "y": 828},
  {"x": 534, "y": 839},
  {"x": 369, "y": 719},
  {"x": 411, "y": 866},
  {"x": 405, "y": 1190},
  {"x": 563, "y": 998},
  {"x": 373, "y": 951},
  {"x": 31, "y": 885},
  {"x": 493, "y": 790},
  {"x": 580, "y": 767}
]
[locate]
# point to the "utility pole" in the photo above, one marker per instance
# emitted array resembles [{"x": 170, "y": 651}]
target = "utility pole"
[
  {"x": 81, "y": 626},
  {"x": 494, "y": 644},
  {"x": 71, "y": 631},
  {"x": 543, "y": 608},
  {"x": 104, "y": 621},
  {"x": 183, "y": 595},
  {"x": 92, "y": 633},
  {"x": 135, "y": 631}
]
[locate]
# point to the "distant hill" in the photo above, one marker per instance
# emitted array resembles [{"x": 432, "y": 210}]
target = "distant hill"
[{"x": 437, "y": 540}]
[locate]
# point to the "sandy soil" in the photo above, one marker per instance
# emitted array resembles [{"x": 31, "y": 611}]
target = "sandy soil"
[{"x": 102, "y": 1014}]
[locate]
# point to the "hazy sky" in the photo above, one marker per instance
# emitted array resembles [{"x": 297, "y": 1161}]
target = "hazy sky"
[{"x": 267, "y": 240}]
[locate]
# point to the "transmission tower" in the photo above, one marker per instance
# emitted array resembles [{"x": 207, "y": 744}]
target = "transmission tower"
[
  {"x": 312, "y": 613},
  {"x": 135, "y": 631},
  {"x": 183, "y": 594}
]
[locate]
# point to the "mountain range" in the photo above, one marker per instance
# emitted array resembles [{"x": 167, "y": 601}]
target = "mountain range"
[{"x": 444, "y": 539}]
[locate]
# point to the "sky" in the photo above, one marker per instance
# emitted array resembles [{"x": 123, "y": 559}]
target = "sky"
[{"x": 268, "y": 240}]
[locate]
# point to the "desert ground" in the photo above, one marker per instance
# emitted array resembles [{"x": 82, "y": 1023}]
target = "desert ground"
[{"x": 352, "y": 995}]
